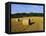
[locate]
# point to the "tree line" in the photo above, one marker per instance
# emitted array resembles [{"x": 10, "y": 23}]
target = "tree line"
[{"x": 17, "y": 15}]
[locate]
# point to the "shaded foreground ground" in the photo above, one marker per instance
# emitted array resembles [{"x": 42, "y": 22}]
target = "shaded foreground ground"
[{"x": 23, "y": 25}]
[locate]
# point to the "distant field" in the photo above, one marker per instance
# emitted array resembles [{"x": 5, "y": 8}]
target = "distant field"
[{"x": 23, "y": 25}]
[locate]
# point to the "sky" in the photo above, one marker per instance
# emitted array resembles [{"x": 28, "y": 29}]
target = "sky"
[{"x": 21, "y": 8}]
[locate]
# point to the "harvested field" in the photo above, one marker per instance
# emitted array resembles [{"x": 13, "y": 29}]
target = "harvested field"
[{"x": 22, "y": 24}]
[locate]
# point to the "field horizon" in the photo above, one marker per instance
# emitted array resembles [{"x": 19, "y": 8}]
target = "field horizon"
[{"x": 19, "y": 15}]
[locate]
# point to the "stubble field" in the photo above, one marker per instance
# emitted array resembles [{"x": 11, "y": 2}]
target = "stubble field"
[{"x": 23, "y": 24}]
